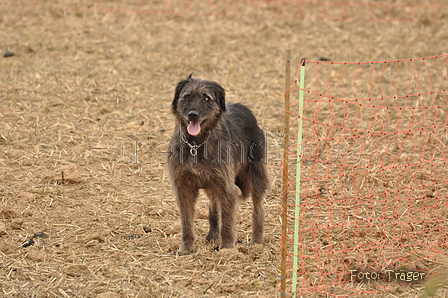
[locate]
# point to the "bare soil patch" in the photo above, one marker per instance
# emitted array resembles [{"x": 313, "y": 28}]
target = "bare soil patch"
[{"x": 84, "y": 126}]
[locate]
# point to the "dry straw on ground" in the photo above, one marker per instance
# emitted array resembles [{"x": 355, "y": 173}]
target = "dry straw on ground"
[{"x": 85, "y": 121}]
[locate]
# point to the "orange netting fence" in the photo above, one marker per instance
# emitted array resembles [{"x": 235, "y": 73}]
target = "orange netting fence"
[
  {"x": 335, "y": 10},
  {"x": 372, "y": 190}
]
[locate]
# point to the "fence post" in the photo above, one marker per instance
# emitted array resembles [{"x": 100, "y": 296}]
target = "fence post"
[
  {"x": 285, "y": 173},
  {"x": 298, "y": 173}
]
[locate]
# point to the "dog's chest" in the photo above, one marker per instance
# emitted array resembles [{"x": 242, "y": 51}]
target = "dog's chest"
[
  {"x": 199, "y": 175},
  {"x": 201, "y": 167}
]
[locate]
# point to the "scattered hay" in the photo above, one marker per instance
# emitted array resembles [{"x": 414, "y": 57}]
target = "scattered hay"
[{"x": 85, "y": 125}]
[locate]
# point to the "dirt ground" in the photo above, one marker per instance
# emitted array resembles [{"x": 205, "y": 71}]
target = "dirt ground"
[{"x": 85, "y": 204}]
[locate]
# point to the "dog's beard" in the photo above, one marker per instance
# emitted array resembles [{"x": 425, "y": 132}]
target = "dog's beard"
[{"x": 194, "y": 128}]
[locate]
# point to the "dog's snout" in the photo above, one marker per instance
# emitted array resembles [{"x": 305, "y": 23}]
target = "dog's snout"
[{"x": 193, "y": 115}]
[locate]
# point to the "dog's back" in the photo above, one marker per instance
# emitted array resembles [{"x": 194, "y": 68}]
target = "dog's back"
[{"x": 252, "y": 176}]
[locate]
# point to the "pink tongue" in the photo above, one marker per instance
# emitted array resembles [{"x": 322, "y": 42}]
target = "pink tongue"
[{"x": 194, "y": 127}]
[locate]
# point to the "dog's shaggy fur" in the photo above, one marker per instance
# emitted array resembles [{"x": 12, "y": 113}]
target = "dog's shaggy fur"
[{"x": 220, "y": 148}]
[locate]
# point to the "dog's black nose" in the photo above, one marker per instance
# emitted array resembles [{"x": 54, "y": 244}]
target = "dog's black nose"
[{"x": 193, "y": 115}]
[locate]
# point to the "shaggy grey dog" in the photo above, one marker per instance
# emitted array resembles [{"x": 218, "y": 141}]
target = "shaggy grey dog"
[{"x": 220, "y": 148}]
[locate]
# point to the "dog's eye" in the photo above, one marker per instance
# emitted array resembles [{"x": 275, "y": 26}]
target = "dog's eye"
[
  {"x": 186, "y": 96},
  {"x": 206, "y": 97}
]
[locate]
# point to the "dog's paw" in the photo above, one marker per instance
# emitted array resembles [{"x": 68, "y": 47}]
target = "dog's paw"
[
  {"x": 181, "y": 253},
  {"x": 256, "y": 241},
  {"x": 213, "y": 242},
  {"x": 228, "y": 245},
  {"x": 212, "y": 238},
  {"x": 184, "y": 250}
]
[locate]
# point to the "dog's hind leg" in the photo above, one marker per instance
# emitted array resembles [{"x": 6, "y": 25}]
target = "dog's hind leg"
[
  {"x": 259, "y": 184},
  {"x": 257, "y": 217}
]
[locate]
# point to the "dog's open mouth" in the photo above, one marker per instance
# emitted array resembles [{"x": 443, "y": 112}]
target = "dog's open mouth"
[{"x": 194, "y": 127}]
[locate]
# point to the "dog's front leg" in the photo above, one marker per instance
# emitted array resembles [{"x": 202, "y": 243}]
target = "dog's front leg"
[
  {"x": 229, "y": 207},
  {"x": 186, "y": 200},
  {"x": 213, "y": 216}
]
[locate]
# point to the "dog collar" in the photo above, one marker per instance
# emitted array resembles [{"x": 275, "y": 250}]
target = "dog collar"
[{"x": 194, "y": 148}]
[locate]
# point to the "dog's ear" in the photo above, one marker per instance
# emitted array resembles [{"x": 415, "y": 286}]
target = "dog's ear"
[
  {"x": 177, "y": 91},
  {"x": 220, "y": 95}
]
